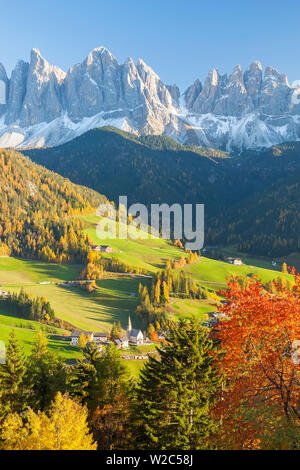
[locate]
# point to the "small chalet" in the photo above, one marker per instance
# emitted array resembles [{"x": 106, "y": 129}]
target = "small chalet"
[
  {"x": 95, "y": 247},
  {"x": 100, "y": 337},
  {"x": 122, "y": 343},
  {"x": 135, "y": 337},
  {"x": 106, "y": 249},
  {"x": 102, "y": 248},
  {"x": 76, "y": 335},
  {"x": 236, "y": 261}
]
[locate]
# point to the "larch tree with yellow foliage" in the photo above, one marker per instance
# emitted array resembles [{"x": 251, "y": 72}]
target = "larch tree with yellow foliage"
[{"x": 64, "y": 427}]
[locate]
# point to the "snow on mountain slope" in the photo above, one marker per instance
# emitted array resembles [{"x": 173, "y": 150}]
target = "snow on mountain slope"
[{"x": 41, "y": 105}]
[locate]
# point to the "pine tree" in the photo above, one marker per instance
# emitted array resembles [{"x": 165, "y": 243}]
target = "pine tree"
[
  {"x": 99, "y": 377},
  {"x": 84, "y": 381},
  {"x": 176, "y": 392},
  {"x": 12, "y": 379},
  {"x": 46, "y": 374}
]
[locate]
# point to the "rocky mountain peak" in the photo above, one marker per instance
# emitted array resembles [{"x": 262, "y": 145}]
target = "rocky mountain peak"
[
  {"x": 3, "y": 75},
  {"x": 42, "y": 105},
  {"x": 102, "y": 56},
  {"x": 272, "y": 75},
  {"x": 236, "y": 77},
  {"x": 175, "y": 93},
  {"x": 43, "y": 69},
  {"x": 192, "y": 93}
]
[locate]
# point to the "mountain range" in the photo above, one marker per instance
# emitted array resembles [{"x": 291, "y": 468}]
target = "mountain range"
[{"x": 41, "y": 105}]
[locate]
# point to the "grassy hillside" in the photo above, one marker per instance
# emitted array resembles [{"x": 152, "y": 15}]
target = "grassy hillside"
[
  {"x": 116, "y": 296},
  {"x": 26, "y": 332},
  {"x": 153, "y": 254},
  {"x": 96, "y": 311},
  {"x": 149, "y": 254}
]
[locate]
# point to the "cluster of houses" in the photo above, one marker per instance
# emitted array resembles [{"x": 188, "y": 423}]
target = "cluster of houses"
[
  {"x": 102, "y": 248},
  {"x": 133, "y": 336},
  {"x": 236, "y": 261}
]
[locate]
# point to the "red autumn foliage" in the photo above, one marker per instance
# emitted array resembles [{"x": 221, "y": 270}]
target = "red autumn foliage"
[{"x": 259, "y": 361}]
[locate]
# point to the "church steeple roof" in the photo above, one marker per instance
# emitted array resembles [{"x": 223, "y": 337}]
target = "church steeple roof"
[{"x": 129, "y": 326}]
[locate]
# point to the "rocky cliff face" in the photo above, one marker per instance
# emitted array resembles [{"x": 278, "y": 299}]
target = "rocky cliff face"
[
  {"x": 45, "y": 106},
  {"x": 42, "y": 105},
  {"x": 251, "y": 109},
  {"x": 240, "y": 94}
]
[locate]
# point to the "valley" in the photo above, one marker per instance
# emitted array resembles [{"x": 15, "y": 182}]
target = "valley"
[
  {"x": 116, "y": 296},
  {"x": 149, "y": 167}
]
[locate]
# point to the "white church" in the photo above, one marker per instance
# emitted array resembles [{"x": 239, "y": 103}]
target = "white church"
[{"x": 135, "y": 337}]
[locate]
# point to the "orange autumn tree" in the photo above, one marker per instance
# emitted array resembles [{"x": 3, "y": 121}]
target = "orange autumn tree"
[{"x": 262, "y": 378}]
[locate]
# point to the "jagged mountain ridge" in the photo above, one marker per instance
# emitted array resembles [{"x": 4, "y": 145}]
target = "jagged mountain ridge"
[{"x": 41, "y": 105}]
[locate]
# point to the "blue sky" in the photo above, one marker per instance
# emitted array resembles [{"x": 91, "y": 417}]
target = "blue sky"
[{"x": 180, "y": 40}]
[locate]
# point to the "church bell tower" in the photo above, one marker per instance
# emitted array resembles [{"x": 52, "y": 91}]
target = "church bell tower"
[{"x": 129, "y": 327}]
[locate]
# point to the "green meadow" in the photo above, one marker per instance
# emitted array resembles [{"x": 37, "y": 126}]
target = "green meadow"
[
  {"x": 116, "y": 296},
  {"x": 26, "y": 332},
  {"x": 189, "y": 308},
  {"x": 150, "y": 254},
  {"x": 214, "y": 273}
]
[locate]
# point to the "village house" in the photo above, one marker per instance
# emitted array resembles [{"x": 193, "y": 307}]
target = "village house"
[
  {"x": 213, "y": 319},
  {"x": 76, "y": 335},
  {"x": 236, "y": 261},
  {"x": 122, "y": 343},
  {"x": 90, "y": 336},
  {"x": 100, "y": 337},
  {"x": 102, "y": 248},
  {"x": 95, "y": 247},
  {"x": 134, "y": 336}
]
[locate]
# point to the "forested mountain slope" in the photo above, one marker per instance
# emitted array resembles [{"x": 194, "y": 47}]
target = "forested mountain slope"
[
  {"x": 250, "y": 199},
  {"x": 267, "y": 222},
  {"x": 148, "y": 169},
  {"x": 35, "y": 209}
]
